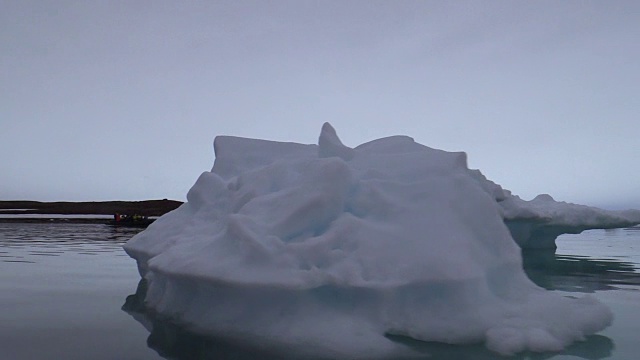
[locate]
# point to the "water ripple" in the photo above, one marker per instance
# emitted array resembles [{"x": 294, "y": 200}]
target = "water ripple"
[{"x": 29, "y": 242}]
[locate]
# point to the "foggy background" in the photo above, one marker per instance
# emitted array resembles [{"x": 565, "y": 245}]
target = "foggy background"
[{"x": 121, "y": 100}]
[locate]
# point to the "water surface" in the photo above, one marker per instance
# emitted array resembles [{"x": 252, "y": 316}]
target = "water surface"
[{"x": 63, "y": 287}]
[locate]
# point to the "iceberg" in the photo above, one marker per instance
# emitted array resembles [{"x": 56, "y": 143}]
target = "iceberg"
[
  {"x": 537, "y": 223},
  {"x": 334, "y": 252}
]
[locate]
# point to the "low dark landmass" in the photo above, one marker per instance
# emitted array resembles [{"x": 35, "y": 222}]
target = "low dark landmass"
[{"x": 144, "y": 208}]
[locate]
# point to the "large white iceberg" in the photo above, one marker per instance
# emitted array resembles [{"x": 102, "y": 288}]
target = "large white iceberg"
[{"x": 327, "y": 250}]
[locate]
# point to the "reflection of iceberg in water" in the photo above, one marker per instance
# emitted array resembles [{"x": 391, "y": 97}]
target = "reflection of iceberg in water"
[
  {"x": 594, "y": 347},
  {"x": 174, "y": 342},
  {"x": 577, "y": 273}
]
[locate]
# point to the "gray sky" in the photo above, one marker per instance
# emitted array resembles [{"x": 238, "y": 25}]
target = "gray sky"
[{"x": 103, "y": 100}]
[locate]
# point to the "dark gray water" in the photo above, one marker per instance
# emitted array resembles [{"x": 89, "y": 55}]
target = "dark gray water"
[{"x": 63, "y": 287}]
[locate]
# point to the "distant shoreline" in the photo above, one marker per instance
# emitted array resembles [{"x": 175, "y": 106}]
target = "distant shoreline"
[
  {"x": 53, "y": 220},
  {"x": 145, "y": 208}
]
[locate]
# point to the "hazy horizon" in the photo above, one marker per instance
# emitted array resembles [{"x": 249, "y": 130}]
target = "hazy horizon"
[{"x": 122, "y": 101}]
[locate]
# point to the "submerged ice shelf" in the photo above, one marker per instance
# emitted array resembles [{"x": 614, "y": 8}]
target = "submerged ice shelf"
[{"x": 327, "y": 250}]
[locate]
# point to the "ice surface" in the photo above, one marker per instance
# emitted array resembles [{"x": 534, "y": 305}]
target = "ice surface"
[
  {"x": 326, "y": 250},
  {"x": 537, "y": 223}
]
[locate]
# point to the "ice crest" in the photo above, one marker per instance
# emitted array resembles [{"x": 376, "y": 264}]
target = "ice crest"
[{"x": 329, "y": 144}]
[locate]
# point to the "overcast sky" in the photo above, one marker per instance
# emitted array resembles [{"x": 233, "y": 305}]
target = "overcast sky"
[{"x": 108, "y": 100}]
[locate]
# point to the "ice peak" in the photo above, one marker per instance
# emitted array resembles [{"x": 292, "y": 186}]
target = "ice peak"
[
  {"x": 330, "y": 145},
  {"x": 544, "y": 197}
]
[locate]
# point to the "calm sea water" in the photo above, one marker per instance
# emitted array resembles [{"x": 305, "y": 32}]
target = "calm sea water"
[{"x": 63, "y": 287}]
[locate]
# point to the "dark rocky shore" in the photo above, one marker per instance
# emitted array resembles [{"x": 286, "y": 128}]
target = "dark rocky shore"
[{"x": 144, "y": 208}]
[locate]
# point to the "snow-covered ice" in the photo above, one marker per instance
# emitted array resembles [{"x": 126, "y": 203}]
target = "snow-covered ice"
[
  {"x": 537, "y": 223},
  {"x": 325, "y": 250}
]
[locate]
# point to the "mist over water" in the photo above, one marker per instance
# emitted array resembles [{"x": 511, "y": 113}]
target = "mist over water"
[{"x": 69, "y": 291}]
